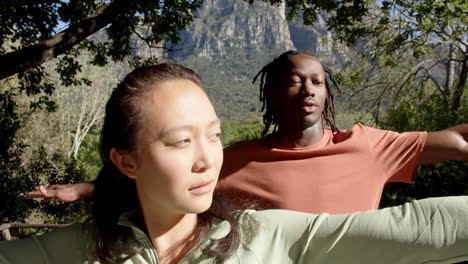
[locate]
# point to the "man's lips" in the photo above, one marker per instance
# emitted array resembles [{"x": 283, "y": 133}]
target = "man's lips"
[
  {"x": 309, "y": 105},
  {"x": 203, "y": 188}
]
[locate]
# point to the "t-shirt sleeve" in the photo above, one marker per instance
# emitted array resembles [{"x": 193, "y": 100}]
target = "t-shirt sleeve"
[
  {"x": 396, "y": 153},
  {"x": 426, "y": 231}
]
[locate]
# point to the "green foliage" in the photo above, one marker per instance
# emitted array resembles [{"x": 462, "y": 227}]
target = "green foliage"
[
  {"x": 17, "y": 180},
  {"x": 342, "y": 13},
  {"x": 348, "y": 119},
  {"x": 33, "y": 82},
  {"x": 439, "y": 179},
  {"x": 37, "y": 20},
  {"x": 397, "y": 23},
  {"x": 27, "y": 23},
  {"x": 10, "y": 157},
  {"x": 60, "y": 170},
  {"x": 18, "y": 176},
  {"x": 89, "y": 156},
  {"x": 235, "y": 131},
  {"x": 9, "y": 122},
  {"x": 229, "y": 81},
  {"x": 68, "y": 68},
  {"x": 56, "y": 169}
]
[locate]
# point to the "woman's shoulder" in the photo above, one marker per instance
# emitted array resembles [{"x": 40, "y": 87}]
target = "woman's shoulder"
[
  {"x": 279, "y": 213},
  {"x": 278, "y": 218}
]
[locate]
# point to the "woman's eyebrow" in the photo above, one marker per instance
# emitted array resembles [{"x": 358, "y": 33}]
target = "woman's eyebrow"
[
  {"x": 215, "y": 122},
  {"x": 174, "y": 129}
]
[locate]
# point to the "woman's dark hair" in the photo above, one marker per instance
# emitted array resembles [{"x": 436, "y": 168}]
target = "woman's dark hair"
[
  {"x": 115, "y": 193},
  {"x": 269, "y": 75}
]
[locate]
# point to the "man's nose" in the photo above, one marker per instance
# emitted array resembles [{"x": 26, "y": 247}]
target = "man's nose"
[{"x": 308, "y": 89}]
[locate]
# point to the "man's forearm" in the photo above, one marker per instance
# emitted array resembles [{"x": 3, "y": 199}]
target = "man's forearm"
[{"x": 448, "y": 144}]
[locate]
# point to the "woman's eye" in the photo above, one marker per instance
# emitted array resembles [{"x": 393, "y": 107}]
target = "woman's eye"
[
  {"x": 216, "y": 136},
  {"x": 182, "y": 142}
]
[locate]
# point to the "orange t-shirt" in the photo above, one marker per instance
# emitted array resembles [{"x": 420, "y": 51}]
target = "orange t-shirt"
[{"x": 342, "y": 173}]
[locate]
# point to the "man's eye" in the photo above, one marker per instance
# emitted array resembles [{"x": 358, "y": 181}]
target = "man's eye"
[{"x": 294, "y": 82}]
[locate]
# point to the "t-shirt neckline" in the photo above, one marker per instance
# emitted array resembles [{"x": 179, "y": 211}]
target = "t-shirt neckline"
[{"x": 271, "y": 141}]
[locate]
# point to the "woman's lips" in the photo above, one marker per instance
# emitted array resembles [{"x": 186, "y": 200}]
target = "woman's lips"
[{"x": 203, "y": 188}]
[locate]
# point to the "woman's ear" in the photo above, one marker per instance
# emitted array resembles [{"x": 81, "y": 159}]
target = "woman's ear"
[{"x": 124, "y": 162}]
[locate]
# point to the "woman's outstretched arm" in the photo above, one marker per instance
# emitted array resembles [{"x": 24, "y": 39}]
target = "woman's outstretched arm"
[{"x": 432, "y": 230}]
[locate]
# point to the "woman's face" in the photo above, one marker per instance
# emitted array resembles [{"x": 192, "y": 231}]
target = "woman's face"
[{"x": 180, "y": 149}]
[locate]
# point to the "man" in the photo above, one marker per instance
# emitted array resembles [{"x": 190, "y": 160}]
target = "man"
[{"x": 301, "y": 165}]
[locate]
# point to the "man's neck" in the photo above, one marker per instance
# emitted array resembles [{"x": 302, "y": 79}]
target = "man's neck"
[{"x": 299, "y": 138}]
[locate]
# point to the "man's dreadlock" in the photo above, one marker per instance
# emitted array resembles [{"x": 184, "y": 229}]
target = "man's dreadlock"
[{"x": 269, "y": 77}]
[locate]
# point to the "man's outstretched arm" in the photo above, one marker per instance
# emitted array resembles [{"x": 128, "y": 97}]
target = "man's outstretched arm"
[
  {"x": 63, "y": 192},
  {"x": 448, "y": 144}
]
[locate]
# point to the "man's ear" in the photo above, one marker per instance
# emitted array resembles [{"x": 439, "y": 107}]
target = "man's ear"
[{"x": 124, "y": 162}]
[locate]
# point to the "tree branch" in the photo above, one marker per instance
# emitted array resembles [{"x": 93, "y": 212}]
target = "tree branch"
[
  {"x": 419, "y": 67},
  {"x": 32, "y": 56}
]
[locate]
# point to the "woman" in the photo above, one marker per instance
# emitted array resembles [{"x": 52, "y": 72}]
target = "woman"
[{"x": 162, "y": 154}]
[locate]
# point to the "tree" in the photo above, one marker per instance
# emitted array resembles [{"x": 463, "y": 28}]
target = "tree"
[
  {"x": 81, "y": 107},
  {"x": 28, "y": 37},
  {"x": 19, "y": 176},
  {"x": 412, "y": 76},
  {"x": 31, "y": 26},
  {"x": 424, "y": 40}
]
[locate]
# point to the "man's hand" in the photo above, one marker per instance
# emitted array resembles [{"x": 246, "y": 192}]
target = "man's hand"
[{"x": 62, "y": 192}]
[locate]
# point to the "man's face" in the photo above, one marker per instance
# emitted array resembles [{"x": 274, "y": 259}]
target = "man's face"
[{"x": 299, "y": 97}]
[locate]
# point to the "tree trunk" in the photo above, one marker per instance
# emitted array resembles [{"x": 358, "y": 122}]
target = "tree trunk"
[
  {"x": 458, "y": 91},
  {"x": 450, "y": 68}
]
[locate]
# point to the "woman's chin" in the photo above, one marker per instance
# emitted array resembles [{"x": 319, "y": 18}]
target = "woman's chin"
[{"x": 202, "y": 205}]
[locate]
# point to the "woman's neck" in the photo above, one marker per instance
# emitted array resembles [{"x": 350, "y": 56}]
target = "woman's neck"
[{"x": 172, "y": 236}]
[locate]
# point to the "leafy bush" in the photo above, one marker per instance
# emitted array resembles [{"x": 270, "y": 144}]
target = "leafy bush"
[
  {"x": 439, "y": 179},
  {"x": 235, "y": 131},
  {"x": 18, "y": 176}
]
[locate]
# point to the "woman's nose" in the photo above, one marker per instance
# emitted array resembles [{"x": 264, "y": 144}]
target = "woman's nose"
[{"x": 203, "y": 158}]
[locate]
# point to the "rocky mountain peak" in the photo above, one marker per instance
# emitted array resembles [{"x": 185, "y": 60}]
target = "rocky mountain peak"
[{"x": 224, "y": 27}]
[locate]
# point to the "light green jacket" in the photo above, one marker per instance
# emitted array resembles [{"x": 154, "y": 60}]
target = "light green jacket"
[{"x": 427, "y": 231}]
